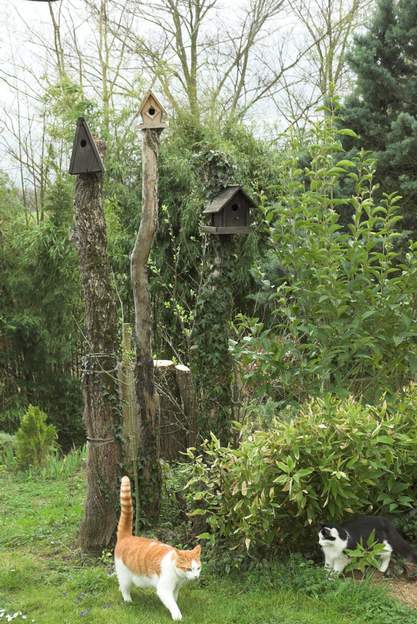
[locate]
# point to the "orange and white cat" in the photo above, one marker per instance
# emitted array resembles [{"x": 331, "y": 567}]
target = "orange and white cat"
[{"x": 148, "y": 563}]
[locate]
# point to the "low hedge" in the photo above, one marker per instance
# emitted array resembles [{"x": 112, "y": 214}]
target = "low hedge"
[{"x": 335, "y": 458}]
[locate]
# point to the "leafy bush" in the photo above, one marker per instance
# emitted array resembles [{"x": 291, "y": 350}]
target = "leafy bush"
[
  {"x": 35, "y": 440},
  {"x": 7, "y": 447},
  {"x": 336, "y": 457},
  {"x": 407, "y": 524},
  {"x": 39, "y": 300},
  {"x": 339, "y": 301},
  {"x": 10, "y": 419}
]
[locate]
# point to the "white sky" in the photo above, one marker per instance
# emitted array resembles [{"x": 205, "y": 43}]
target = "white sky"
[{"x": 23, "y": 21}]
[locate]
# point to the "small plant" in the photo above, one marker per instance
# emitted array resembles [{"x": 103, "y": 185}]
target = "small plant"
[
  {"x": 365, "y": 555},
  {"x": 12, "y": 616},
  {"x": 7, "y": 447},
  {"x": 35, "y": 439},
  {"x": 58, "y": 466}
]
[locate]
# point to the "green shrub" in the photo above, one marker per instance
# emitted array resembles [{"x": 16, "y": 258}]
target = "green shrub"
[
  {"x": 10, "y": 419},
  {"x": 336, "y": 457},
  {"x": 337, "y": 295},
  {"x": 7, "y": 448},
  {"x": 35, "y": 440}
]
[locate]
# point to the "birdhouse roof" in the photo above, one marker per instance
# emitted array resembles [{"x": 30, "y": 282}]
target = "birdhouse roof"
[
  {"x": 225, "y": 197},
  {"x": 148, "y": 96}
]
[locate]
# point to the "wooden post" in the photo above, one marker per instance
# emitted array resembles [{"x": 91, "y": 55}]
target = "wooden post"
[
  {"x": 149, "y": 468},
  {"x": 188, "y": 402},
  {"x": 101, "y": 401}
]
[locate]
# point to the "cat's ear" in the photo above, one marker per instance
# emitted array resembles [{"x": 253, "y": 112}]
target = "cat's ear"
[{"x": 197, "y": 550}]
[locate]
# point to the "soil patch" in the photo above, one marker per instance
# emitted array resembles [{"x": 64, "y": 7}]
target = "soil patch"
[{"x": 403, "y": 588}]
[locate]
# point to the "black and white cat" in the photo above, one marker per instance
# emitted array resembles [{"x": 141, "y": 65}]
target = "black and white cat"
[{"x": 335, "y": 538}]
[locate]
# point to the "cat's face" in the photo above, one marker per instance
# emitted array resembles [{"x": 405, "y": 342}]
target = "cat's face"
[
  {"x": 331, "y": 535},
  {"x": 328, "y": 534},
  {"x": 188, "y": 563}
]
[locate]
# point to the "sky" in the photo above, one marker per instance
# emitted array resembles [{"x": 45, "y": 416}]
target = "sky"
[
  {"x": 17, "y": 19},
  {"x": 22, "y": 24}
]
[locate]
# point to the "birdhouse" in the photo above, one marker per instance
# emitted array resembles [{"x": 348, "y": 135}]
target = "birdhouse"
[
  {"x": 152, "y": 112},
  {"x": 85, "y": 157},
  {"x": 229, "y": 212}
]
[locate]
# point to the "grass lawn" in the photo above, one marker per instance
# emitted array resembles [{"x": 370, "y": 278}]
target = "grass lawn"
[{"x": 45, "y": 577}]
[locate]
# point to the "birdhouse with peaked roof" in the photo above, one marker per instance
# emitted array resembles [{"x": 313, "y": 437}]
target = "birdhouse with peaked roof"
[
  {"x": 229, "y": 212},
  {"x": 85, "y": 157},
  {"x": 152, "y": 112}
]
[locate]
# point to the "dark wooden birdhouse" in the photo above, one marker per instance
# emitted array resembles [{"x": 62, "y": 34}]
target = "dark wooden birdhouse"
[
  {"x": 229, "y": 212},
  {"x": 85, "y": 157},
  {"x": 152, "y": 111}
]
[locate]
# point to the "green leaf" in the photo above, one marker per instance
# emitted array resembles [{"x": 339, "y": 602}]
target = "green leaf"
[
  {"x": 197, "y": 512},
  {"x": 345, "y": 163},
  {"x": 348, "y": 132}
]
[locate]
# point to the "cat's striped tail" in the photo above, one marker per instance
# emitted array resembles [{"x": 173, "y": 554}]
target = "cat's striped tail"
[{"x": 124, "y": 528}]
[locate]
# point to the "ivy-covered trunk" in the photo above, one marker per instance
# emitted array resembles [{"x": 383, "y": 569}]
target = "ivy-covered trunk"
[
  {"x": 211, "y": 363},
  {"x": 101, "y": 403}
]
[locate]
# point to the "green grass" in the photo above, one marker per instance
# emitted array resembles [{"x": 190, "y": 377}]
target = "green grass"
[{"x": 44, "y": 575}]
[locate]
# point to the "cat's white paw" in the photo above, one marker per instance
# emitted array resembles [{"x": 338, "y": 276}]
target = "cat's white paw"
[
  {"x": 176, "y": 615},
  {"x": 127, "y": 597}
]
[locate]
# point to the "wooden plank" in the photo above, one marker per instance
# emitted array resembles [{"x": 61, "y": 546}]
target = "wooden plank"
[{"x": 243, "y": 229}]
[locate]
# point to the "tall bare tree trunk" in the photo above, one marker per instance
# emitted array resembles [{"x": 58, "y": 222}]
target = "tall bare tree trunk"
[
  {"x": 101, "y": 403},
  {"x": 149, "y": 467}
]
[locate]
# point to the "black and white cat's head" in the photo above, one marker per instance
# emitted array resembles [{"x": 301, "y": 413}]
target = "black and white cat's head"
[{"x": 331, "y": 535}]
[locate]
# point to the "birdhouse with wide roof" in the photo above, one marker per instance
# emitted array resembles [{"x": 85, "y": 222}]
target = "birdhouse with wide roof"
[
  {"x": 85, "y": 157},
  {"x": 152, "y": 112},
  {"x": 229, "y": 212}
]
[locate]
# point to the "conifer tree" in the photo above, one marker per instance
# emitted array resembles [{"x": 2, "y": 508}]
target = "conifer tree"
[{"x": 383, "y": 106}]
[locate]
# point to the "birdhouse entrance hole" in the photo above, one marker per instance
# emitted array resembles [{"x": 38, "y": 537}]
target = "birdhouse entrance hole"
[
  {"x": 83, "y": 142},
  {"x": 235, "y": 207},
  {"x": 151, "y": 112}
]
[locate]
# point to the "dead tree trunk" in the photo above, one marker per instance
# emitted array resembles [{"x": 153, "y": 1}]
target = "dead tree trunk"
[
  {"x": 130, "y": 431},
  {"x": 149, "y": 469},
  {"x": 129, "y": 411},
  {"x": 101, "y": 403}
]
